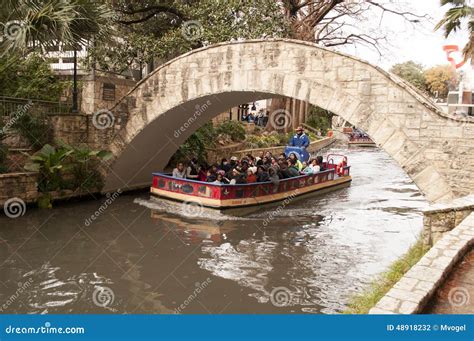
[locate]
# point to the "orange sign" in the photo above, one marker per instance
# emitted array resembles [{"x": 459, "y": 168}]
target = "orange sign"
[{"x": 450, "y": 49}]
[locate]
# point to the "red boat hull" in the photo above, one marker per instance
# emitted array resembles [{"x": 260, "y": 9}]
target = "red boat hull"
[{"x": 232, "y": 196}]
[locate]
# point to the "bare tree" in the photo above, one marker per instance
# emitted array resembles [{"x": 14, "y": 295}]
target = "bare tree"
[{"x": 335, "y": 23}]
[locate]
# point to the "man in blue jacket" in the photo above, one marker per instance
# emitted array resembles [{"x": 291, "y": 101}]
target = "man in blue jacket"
[{"x": 300, "y": 139}]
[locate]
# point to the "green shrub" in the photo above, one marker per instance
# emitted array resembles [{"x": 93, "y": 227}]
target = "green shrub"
[
  {"x": 35, "y": 128},
  {"x": 50, "y": 162},
  {"x": 234, "y": 129},
  {"x": 85, "y": 168},
  {"x": 319, "y": 118},
  {"x": 66, "y": 167}
]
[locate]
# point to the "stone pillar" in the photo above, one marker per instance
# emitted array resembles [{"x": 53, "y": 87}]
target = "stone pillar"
[{"x": 441, "y": 218}]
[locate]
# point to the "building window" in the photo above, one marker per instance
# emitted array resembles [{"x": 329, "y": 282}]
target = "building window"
[{"x": 108, "y": 92}]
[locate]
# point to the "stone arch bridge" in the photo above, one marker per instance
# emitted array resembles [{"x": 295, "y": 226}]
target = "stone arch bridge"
[{"x": 177, "y": 98}]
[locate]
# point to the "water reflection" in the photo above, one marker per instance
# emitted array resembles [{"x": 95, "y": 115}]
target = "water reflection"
[{"x": 311, "y": 256}]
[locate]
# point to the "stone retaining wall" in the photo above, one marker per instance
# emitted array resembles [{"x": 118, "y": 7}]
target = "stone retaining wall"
[
  {"x": 441, "y": 218},
  {"x": 413, "y": 291},
  {"x": 18, "y": 185}
]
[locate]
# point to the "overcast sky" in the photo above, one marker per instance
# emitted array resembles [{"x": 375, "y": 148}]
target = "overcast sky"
[{"x": 419, "y": 43}]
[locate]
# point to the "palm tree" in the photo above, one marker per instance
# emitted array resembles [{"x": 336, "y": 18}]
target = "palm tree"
[
  {"x": 460, "y": 13},
  {"x": 27, "y": 24}
]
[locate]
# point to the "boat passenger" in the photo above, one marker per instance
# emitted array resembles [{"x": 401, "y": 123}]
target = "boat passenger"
[
  {"x": 251, "y": 159},
  {"x": 275, "y": 165},
  {"x": 320, "y": 163},
  {"x": 179, "y": 172},
  {"x": 273, "y": 176},
  {"x": 233, "y": 162},
  {"x": 225, "y": 166},
  {"x": 202, "y": 174},
  {"x": 192, "y": 171},
  {"x": 212, "y": 174},
  {"x": 307, "y": 169},
  {"x": 267, "y": 161},
  {"x": 262, "y": 174},
  {"x": 282, "y": 156},
  {"x": 251, "y": 177},
  {"x": 221, "y": 179},
  {"x": 293, "y": 168},
  {"x": 283, "y": 173},
  {"x": 244, "y": 165},
  {"x": 237, "y": 177},
  {"x": 314, "y": 165},
  {"x": 268, "y": 155},
  {"x": 300, "y": 139},
  {"x": 298, "y": 162}
]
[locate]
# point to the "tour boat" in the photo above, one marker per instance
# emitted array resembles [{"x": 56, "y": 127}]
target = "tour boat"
[
  {"x": 361, "y": 142},
  {"x": 221, "y": 196}
]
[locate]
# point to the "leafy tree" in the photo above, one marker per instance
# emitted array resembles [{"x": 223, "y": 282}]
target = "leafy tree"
[
  {"x": 319, "y": 118},
  {"x": 411, "y": 72},
  {"x": 29, "y": 77},
  {"x": 150, "y": 31},
  {"x": 440, "y": 79},
  {"x": 460, "y": 15}
]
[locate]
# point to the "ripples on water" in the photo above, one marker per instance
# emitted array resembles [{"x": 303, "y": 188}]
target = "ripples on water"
[{"x": 314, "y": 254}]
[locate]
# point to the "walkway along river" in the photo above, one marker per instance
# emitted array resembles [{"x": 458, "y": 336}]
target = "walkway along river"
[{"x": 146, "y": 256}]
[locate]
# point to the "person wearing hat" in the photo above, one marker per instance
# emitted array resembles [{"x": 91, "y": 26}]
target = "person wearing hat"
[
  {"x": 262, "y": 174},
  {"x": 233, "y": 163},
  {"x": 236, "y": 177},
  {"x": 251, "y": 177},
  {"x": 300, "y": 139}
]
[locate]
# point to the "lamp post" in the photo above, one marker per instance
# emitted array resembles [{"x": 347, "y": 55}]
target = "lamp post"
[{"x": 74, "y": 88}]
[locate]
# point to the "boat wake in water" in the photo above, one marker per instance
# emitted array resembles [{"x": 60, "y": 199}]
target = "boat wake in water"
[{"x": 184, "y": 210}]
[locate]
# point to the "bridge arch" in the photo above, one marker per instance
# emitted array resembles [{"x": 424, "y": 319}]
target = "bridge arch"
[{"x": 165, "y": 108}]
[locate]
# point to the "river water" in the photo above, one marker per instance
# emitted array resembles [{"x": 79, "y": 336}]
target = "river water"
[{"x": 148, "y": 256}]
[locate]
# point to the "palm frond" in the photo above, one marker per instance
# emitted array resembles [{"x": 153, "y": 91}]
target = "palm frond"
[
  {"x": 453, "y": 19},
  {"x": 46, "y": 22}
]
